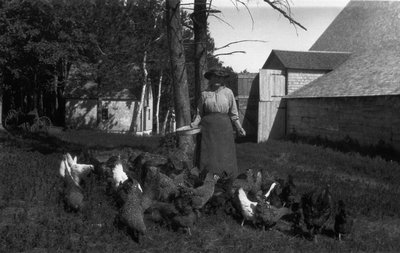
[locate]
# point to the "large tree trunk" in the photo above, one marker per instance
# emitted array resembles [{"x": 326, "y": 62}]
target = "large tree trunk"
[
  {"x": 179, "y": 75},
  {"x": 199, "y": 18},
  {"x": 158, "y": 103}
]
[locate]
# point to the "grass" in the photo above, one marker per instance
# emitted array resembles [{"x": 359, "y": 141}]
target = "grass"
[{"x": 33, "y": 217}]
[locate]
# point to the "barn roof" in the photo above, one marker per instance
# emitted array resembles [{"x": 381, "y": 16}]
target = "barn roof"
[
  {"x": 310, "y": 60},
  {"x": 373, "y": 73},
  {"x": 362, "y": 25},
  {"x": 368, "y": 29}
]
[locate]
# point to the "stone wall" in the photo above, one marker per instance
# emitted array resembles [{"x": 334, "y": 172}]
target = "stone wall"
[
  {"x": 299, "y": 78},
  {"x": 368, "y": 120}
]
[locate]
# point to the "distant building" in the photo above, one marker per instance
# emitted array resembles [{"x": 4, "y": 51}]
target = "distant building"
[
  {"x": 87, "y": 105},
  {"x": 347, "y": 85}
]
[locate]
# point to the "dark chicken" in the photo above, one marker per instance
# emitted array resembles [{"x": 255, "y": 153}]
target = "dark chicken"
[
  {"x": 317, "y": 207},
  {"x": 343, "y": 221}
]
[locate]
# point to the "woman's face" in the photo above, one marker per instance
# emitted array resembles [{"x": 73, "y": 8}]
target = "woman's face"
[{"x": 214, "y": 81}]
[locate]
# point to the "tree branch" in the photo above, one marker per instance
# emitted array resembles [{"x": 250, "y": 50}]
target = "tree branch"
[
  {"x": 239, "y": 41},
  {"x": 276, "y": 4},
  {"x": 230, "y": 53}
]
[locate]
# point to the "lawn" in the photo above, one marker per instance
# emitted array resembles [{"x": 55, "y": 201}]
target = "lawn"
[{"x": 32, "y": 217}]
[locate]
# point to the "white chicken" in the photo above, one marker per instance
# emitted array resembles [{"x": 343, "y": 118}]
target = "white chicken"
[
  {"x": 247, "y": 206},
  {"x": 77, "y": 171},
  {"x": 119, "y": 176}
]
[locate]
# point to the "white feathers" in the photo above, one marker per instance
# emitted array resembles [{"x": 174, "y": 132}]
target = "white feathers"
[
  {"x": 270, "y": 190},
  {"x": 246, "y": 205},
  {"x": 119, "y": 176},
  {"x": 69, "y": 166}
]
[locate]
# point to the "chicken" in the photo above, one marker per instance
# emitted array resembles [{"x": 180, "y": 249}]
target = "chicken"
[
  {"x": 343, "y": 221},
  {"x": 186, "y": 221},
  {"x": 247, "y": 206},
  {"x": 168, "y": 189},
  {"x": 75, "y": 170},
  {"x": 289, "y": 193},
  {"x": 251, "y": 183},
  {"x": 317, "y": 207},
  {"x": 118, "y": 175},
  {"x": 151, "y": 189},
  {"x": 73, "y": 194},
  {"x": 131, "y": 213},
  {"x": 201, "y": 194},
  {"x": 268, "y": 215},
  {"x": 273, "y": 195}
]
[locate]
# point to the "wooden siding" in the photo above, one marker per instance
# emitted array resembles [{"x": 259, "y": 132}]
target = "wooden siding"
[
  {"x": 81, "y": 113},
  {"x": 120, "y": 116},
  {"x": 366, "y": 119},
  {"x": 247, "y": 85},
  {"x": 271, "y": 112}
]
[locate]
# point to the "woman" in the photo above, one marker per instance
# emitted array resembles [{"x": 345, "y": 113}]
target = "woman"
[{"x": 216, "y": 112}]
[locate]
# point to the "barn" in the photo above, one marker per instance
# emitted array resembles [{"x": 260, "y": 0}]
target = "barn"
[
  {"x": 346, "y": 86},
  {"x": 360, "y": 99},
  {"x": 108, "y": 109}
]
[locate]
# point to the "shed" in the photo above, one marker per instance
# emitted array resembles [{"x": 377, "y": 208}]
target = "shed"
[
  {"x": 260, "y": 95},
  {"x": 110, "y": 109},
  {"x": 359, "y": 99}
]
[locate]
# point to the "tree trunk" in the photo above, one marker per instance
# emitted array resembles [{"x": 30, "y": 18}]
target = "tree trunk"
[
  {"x": 199, "y": 18},
  {"x": 1, "y": 109},
  {"x": 164, "y": 129},
  {"x": 138, "y": 119},
  {"x": 158, "y": 103},
  {"x": 179, "y": 75}
]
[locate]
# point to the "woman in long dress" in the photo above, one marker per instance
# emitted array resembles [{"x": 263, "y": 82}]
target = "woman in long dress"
[{"x": 216, "y": 112}]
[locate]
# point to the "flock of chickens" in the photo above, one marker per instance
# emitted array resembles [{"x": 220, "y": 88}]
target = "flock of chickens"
[{"x": 144, "y": 190}]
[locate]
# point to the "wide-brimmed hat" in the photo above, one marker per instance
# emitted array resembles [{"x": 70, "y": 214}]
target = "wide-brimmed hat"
[{"x": 216, "y": 72}]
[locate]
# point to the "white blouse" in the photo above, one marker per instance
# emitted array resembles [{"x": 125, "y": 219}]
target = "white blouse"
[{"x": 221, "y": 100}]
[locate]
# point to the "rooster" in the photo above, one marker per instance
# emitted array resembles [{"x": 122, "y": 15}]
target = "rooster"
[
  {"x": 343, "y": 221},
  {"x": 317, "y": 207}
]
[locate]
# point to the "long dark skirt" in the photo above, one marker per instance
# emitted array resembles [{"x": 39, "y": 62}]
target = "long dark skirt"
[{"x": 217, "y": 148}]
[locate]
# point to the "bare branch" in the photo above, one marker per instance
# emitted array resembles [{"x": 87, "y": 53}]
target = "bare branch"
[
  {"x": 223, "y": 21},
  {"x": 248, "y": 10},
  {"x": 230, "y": 53},
  {"x": 279, "y": 6},
  {"x": 239, "y": 41}
]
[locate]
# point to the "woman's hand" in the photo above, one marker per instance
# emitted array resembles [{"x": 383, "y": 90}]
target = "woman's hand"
[{"x": 242, "y": 132}]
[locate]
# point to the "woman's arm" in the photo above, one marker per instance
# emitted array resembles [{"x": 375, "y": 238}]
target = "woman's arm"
[
  {"x": 199, "y": 113},
  {"x": 234, "y": 114}
]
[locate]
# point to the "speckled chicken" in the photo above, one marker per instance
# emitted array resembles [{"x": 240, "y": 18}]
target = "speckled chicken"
[
  {"x": 131, "y": 213},
  {"x": 267, "y": 215},
  {"x": 317, "y": 207},
  {"x": 201, "y": 194},
  {"x": 343, "y": 221}
]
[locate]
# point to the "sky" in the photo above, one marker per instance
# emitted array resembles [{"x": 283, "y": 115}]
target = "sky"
[{"x": 269, "y": 27}]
